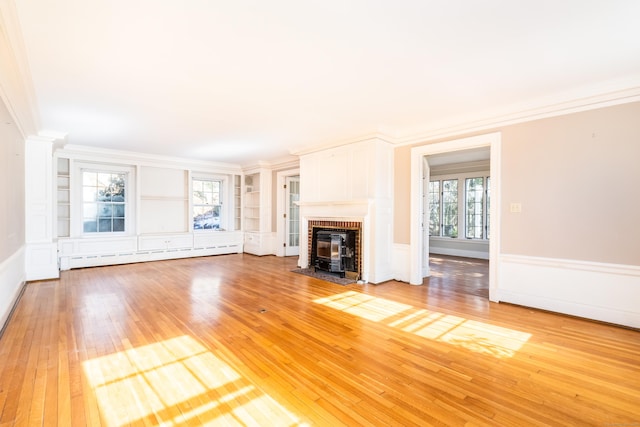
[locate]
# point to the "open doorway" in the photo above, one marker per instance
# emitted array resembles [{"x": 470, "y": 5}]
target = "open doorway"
[
  {"x": 444, "y": 153},
  {"x": 457, "y": 220}
]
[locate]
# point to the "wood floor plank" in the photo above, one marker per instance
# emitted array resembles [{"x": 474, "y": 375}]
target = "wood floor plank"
[{"x": 241, "y": 340}]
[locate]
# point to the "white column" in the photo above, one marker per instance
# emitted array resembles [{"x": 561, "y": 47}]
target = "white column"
[{"x": 41, "y": 252}]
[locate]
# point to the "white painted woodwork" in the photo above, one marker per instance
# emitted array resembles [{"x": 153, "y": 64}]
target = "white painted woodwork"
[
  {"x": 165, "y": 242},
  {"x": 160, "y": 211},
  {"x": 12, "y": 278},
  {"x": 419, "y": 175},
  {"x": 40, "y": 257},
  {"x": 281, "y": 203},
  {"x": 75, "y": 253},
  {"x": 259, "y": 238},
  {"x": 352, "y": 183},
  {"x": 606, "y": 292}
]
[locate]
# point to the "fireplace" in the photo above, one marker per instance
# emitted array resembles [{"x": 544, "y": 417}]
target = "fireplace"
[{"x": 335, "y": 247}]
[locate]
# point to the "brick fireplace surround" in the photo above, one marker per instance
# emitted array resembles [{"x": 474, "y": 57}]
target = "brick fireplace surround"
[{"x": 338, "y": 225}]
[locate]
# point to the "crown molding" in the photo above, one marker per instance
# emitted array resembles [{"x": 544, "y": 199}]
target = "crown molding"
[
  {"x": 282, "y": 163},
  {"x": 335, "y": 144},
  {"x": 526, "y": 113},
  {"x": 93, "y": 154},
  {"x": 557, "y": 105},
  {"x": 16, "y": 85}
]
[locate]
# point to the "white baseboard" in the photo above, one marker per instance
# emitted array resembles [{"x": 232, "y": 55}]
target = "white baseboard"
[
  {"x": 12, "y": 280},
  {"x": 459, "y": 252},
  {"x": 79, "y": 261},
  {"x": 598, "y": 291}
]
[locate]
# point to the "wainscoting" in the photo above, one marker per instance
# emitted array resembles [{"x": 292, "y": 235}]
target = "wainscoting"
[
  {"x": 76, "y": 253},
  {"x": 606, "y": 292},
  {"x": 12, "y": 278}
]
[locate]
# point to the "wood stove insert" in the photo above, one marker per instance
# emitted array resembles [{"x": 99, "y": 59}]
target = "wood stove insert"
[{"x": 335, "y": 251}]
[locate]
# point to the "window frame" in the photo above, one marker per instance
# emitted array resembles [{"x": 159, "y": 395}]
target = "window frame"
[
  {"x": 77, "y": 199},
  {"x": 226, "y": 202},
  {"x": 462, "y": 205}
]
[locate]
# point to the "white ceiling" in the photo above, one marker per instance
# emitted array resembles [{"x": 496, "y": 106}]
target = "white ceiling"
[{"x": 241, "y": 81}]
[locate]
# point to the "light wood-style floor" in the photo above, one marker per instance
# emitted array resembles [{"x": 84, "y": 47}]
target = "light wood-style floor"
[{"x": 240, "y": 340}]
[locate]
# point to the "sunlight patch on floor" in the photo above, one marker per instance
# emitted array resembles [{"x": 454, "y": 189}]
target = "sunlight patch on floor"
[
  {"x": 178, "y": 382},
  {"x": 362, "y": 305},
  {"x": 473, "y": 335}
]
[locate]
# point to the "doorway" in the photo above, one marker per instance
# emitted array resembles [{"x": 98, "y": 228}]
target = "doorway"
[
  {"x": 288, "y": 213},
  {"x": 292, "y": 216},
  {"x": 420, "y": 172}
]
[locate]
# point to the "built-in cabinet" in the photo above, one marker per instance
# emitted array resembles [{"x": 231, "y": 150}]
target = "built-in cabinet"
[
  {"x": 258, "y": 237},
  {"x": 164, "y": 200},
  {"x": 159, "y": 219}
]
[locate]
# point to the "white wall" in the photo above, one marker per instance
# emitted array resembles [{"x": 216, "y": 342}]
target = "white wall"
[{"x": 12, "y": 213}]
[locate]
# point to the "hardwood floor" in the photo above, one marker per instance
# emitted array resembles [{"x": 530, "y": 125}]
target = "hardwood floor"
[{"x": 241, "y": 340}]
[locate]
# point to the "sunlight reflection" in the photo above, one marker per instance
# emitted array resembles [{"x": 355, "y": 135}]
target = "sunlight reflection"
[
  {"x": 362, "y": 305},
  {"x": 204, "y": 295},
  {"x": 472, "y": 335},
  {"x": 174, "y": 381}
]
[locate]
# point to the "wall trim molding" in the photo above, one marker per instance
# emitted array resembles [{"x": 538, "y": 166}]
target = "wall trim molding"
[
  {"x": 593, "y": 290},
  {"x": 592, "y": 266},
  {"x": 12, "y": 283}
]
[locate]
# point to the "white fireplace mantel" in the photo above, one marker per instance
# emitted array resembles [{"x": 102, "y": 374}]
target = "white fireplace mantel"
[
  {"x": 345, "y": 209},
  {"x": 365, "y": 211},
  {"x": 352, "y": 183}
]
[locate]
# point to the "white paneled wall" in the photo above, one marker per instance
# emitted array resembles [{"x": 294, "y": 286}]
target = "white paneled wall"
[
  {"x": 352, "y": 183},
  {"x": 40, "y": 257},
  {"x": 159, "y": 226}
]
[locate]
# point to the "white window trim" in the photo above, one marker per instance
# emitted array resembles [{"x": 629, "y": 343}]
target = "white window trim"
[
  {"x": 76, "y": 200},
  {"x": 226, "y": 201},
  {"x": 462, "y": 203}
]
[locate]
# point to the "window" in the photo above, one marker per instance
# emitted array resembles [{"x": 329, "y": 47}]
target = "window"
[
  {"x": 207, "y": 204},
  {"x": 434, "y": 208},
  {"x": 104, "y": 204},
  {"x": 451, "y": 204},
  {"x": 450, "y": 208},
  {"x": 474, "y": 197}
]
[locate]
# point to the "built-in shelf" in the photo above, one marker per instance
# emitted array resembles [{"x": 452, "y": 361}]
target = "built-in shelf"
[
  {"x": 252, "y": 202},
  {"x": 63, "y": 198},
  {"x": 237, "y": 202},
  {"x": 256, "y": 211}
]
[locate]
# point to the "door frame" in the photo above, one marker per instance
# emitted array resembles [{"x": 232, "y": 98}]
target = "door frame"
[
  {"x": 419, "y": 245},
  {"x": 281, "y": 232}
]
